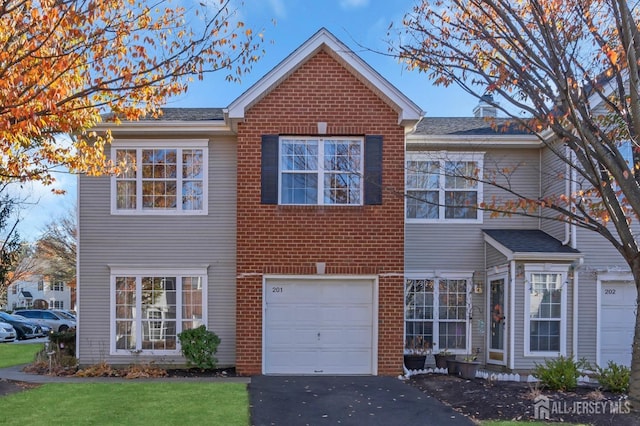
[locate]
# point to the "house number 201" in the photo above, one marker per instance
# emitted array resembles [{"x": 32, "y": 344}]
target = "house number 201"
[
  {"x": 609, "y": 291},
  {"x": 277, "y": 290}
]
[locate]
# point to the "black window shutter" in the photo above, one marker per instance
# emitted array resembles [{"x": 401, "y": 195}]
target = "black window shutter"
[
  {"x": 373, "y": 170},
  {"x": 269, "y": 170}
]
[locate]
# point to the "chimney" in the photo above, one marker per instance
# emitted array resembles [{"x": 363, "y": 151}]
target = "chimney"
[{"x": 485, "y": 107}]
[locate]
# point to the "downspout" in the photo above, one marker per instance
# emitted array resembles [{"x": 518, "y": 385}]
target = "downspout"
[
  {"x": 568, "y": 190},
  {"x": 512, "y": 312}
]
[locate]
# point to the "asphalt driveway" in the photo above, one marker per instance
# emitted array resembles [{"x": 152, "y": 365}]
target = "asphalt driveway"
[{"x": 344, "y": 400}]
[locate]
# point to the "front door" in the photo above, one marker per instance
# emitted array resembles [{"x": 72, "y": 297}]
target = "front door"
[{"x": 497, "y": 321}]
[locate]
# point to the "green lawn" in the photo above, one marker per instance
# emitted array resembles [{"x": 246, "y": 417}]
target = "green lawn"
[
  {"x": 11, "y": 354},
  {"x": 137, "y": 403}
]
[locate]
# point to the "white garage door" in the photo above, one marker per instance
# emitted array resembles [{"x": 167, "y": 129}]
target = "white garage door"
[
  {"x": 315, "y": 326},
  {"x": 617, "y": 319}
]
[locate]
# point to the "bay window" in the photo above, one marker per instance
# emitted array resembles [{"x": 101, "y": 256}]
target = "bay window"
[
  {"x": 158, "y": 177},
  {"x": 151, "y": 307},
  {"x": 443, "y": 186},
  {"x": 437, "y": 312}
]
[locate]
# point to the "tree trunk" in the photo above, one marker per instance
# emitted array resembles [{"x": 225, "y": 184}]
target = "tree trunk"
[{"x": 634, "y": 380}]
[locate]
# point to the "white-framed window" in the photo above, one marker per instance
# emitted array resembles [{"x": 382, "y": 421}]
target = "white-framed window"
[
  {"x": 58, "y": 285},
  {"x": 321, "y": 171},
  {"x": 56, "y": 304},
  {"x": 437, "y": 311},
  {"x": 443, "y": 187},
  {"x": 545, "y": 323},
  {"x": 150, "y": 307},
  {"x": 159, "y": 177},
  {"x": 40, "y": 285}
]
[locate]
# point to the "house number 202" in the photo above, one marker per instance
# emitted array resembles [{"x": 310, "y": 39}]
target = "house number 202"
[
  {"x": 277, "y": 290},
  {"x": 609, "y": 291}
]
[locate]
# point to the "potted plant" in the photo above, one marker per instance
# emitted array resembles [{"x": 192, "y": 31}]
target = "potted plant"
[
  {"x": 468, "y": 366},
  {"x": 442, "y": 357},
  {"x": 415, "y": 353}
]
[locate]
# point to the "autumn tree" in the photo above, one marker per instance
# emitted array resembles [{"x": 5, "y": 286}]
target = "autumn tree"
[
  {"x": 55, "y": 250},
  {"x": 11, "y": 249},
  {"x": 568, "y": 71},
  {"x": 63, "y": 63}
]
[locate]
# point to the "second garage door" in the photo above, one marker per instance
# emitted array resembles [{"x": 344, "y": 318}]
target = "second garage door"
[
  {"x": 618, "y": 313},
  {"x": 319, "y": 326}
]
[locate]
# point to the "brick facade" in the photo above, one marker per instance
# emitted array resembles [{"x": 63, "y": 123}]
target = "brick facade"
[{"x": 356, "y": 240}]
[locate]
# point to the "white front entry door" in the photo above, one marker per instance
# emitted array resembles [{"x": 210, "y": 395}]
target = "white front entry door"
[
  {"x": 319, "y": 326},
  {"x": 617, "y": 320}
]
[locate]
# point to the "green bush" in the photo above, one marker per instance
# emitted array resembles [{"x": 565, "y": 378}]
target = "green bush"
[
  {"x": 65, "y": 341},
  {"x": 614, "y": 378},
  {"x": 559, "y": 373},
  {"x": 199, "y": 347}
]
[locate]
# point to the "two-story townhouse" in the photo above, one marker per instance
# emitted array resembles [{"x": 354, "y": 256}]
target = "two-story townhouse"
[
  {"x": 310, "y": 225},
  {"x": 39, "y": 291},
  {"x": 277, "y": 222}
]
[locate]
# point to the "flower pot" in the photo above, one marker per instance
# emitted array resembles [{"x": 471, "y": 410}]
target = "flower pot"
[
  {"x": 414, "y": 361},
  {"x": 467, "y": 369},
  {"x": 441, "y": 359},
  {"x": 452, "y": 366}
]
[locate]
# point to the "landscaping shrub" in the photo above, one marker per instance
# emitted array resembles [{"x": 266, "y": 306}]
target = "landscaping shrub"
[
  {"x": 65, "y": 341},
  {"x": 559, "y": 373},
  {"x": 199, "y": 346},
  {"x": 614, "y": 377}
]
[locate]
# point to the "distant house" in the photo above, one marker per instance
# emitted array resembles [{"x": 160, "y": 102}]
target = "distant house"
[
  {"x": 39, "y": 291},
  {"x": 318, "y": 224}
]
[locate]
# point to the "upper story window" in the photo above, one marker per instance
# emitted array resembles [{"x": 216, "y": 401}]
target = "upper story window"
[
  {"x": 443, "y": 187},
  {"x": 336, "y": 170},
  {"x": 160, "y": 177},
  {"x": 57, "y": 285},
  {"x": 320, "y": 171}
]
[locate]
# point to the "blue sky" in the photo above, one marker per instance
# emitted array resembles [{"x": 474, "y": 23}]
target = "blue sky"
[{"x": 360, "y": 24}]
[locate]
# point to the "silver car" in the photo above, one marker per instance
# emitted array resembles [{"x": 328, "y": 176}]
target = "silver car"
[
  {"x": 52, "y": 319},
  {"x": 7, "y": 332}
]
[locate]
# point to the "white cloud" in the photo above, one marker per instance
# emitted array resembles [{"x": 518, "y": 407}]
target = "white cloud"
[
  {"x": 279, "y": 8},
  {"x": 353, "y": 4}
]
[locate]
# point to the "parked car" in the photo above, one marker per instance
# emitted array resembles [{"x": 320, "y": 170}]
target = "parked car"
[
  {"x": 46, "y": 331},
  {"x": 24, "y": 328},
  {"x": 7, "y": 332},
  {"x": 48, "y": 317}
]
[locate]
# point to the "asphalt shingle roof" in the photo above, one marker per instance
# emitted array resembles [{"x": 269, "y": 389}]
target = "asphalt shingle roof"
[
  {"x": 182, "y": 114},
  {"x": 528, "y": 241},
  {"x": 467, "y": 126}
]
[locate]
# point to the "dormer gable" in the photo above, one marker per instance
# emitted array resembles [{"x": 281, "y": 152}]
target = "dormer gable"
[{"x": 408, "y": 112}]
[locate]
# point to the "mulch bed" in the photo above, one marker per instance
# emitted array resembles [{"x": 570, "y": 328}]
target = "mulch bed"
[{"x": 484, "y": 399}]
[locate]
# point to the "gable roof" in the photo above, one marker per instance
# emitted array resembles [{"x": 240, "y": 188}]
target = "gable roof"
[
  {"x": 529, "y": 244},
  {"x": 408, "y": 112}
]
